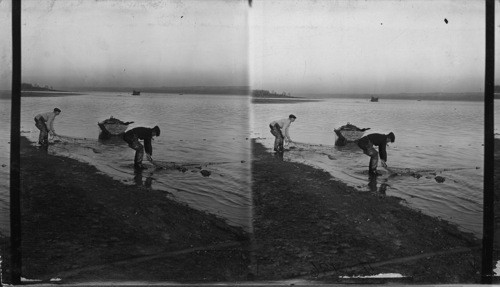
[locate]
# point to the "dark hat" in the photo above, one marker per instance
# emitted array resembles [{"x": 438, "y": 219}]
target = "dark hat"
[
  {"x": 391, "y": 136},
  {"x": 156, "y": 129},
  {"x": 292, "y": 116},
  {"x": 57, "y": 110}
]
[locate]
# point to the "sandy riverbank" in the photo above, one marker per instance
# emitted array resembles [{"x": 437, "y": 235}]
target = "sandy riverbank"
[
  {"x": 309, "y": 226},
  {"x": 82, "y": 226}
]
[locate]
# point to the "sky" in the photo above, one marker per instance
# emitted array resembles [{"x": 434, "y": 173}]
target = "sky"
[
  {"x": 297, "y": 46},
  {"x": 368, "y": 46},
  {"x": 69, "y": 43}
]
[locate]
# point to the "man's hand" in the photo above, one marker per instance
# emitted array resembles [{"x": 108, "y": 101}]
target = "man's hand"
[{"x": 384, "y": 164}]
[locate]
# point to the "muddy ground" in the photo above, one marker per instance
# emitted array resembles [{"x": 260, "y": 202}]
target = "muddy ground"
[
  {"x": 82, "y": 226},
  {"x": 311, "y": 227}
]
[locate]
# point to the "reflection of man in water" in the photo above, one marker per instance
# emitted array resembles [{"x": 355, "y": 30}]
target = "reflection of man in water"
[
  {"x": 45, "y": 123},
  {"x": 276, "y": 130},
  {"x": 366, "y": 143},
  {"x": 138, "y": 179},
  {"x": 133, "y": 136}
]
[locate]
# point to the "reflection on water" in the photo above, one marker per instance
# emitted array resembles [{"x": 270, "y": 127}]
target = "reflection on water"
[
  {"x": 196, "y": 129},
  {"x": 428, "y": 145}
]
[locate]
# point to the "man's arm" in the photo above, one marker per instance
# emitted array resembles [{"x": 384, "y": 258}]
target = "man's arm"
[
  {"x": 50, "y": 122},
  {"x": 383, "y": 154},
  {"x": 147, "y": 146},
  {"x": 286, "y": 126}
]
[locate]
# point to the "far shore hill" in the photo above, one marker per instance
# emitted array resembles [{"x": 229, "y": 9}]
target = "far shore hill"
[
  {"x": 220, "y": 90},
  {"x": 471, "y": 96},
  {"x": 30, "y": 90}
]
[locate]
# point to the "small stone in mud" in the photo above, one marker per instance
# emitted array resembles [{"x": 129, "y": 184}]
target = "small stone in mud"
[
  {"x": 183, "y": 169},
  {"x": 205, "y": 172},
  {"x": 439, "y": 179},
  {"x": 4, "y": 165},
  {"x": 242, "y": 161}
]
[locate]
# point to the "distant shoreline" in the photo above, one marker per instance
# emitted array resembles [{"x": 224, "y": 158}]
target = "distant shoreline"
[
  {"x": 6, "y": 94},
  {"x": 282, "y": 100},
  {"x": 47, "y": 94}
]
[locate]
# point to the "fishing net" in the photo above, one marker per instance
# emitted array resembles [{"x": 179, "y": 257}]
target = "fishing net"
[
  {"x": 413, "y": 171},
  {"x": 185, "y": 166},
  {"x": 73, "y": 140}
]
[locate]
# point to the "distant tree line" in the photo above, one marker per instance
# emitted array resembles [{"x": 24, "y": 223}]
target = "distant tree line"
[
  {"x": 270, "y": 94},
  {"x": 35, "y": 87}
]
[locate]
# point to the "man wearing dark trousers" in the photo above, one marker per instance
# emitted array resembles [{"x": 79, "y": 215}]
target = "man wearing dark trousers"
[
  {"x": 366, "y": 143},
  {"x": 45, "y": 123},
  {"x": 133, "y": 136},
  {"x": 276, "y": 130}
]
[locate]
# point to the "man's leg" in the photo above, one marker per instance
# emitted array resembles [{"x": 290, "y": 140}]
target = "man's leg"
[
  {"x": 43, "y": 137},
  {"x": 139, "y": 155},
  {"x": 372, "y": 152},
  {"x": 278, "y": 139},
  {"x": 39, "y": 127},
  {"x": 139, "y": 150}
]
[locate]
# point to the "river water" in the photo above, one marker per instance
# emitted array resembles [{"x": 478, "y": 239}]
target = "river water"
[
  {"x": 198, "y": 132},
  {"x": 433, "y": 138},
  {"x": 212, "y": 132}
]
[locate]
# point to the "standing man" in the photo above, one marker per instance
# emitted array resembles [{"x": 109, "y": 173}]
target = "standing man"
[
  {"x": 133, "y": 136},
  {"x": 45, "y": 123},
  {"x": 366, "y": 143},
  {"x": 276, "y": 130}
]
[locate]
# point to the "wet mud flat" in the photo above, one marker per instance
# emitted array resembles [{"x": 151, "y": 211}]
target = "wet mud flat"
[
  {"x": 79, "y": 225},
  {"x": 309, "y": 226}
]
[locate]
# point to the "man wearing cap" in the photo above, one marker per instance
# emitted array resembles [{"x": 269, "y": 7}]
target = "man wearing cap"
[
  {"x": 366, "y": 143},
  {"x": 133, "y": 136},
  {"x": 276, "y": 130},
  {"x": 45, "y": 123}
]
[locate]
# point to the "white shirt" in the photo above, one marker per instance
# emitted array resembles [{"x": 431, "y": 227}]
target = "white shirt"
[
  {"x": 284, "y": 125},
  {"x": 49, "y": 118}
]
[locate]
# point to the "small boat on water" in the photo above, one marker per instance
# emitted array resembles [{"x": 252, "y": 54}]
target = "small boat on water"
[
  {"x": 349, "y": 133},
  {"x": 374, "y": 99},
  {"x": 113, "y": 127},
  {"x": 136, "y": 93}
]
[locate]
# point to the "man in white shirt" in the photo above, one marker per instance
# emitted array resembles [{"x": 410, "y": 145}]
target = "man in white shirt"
[
  {"x": 276, "y": 130},
  {"x": 45, "y": 123}
]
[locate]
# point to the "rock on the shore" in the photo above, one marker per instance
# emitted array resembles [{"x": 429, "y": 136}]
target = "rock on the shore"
[
  {"x": 205, "y": 173},
  {"x": 439, "y": 179}
]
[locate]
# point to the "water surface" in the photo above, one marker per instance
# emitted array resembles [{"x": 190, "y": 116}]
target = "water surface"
[
  {"x": 200, "y": 132},
  {"x": 433, "y": 138}
]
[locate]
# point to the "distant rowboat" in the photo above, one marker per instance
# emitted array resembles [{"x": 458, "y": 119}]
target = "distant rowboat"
[
  {"x": 113, "y": 126},
  {"x": 136, "y": 93}
]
